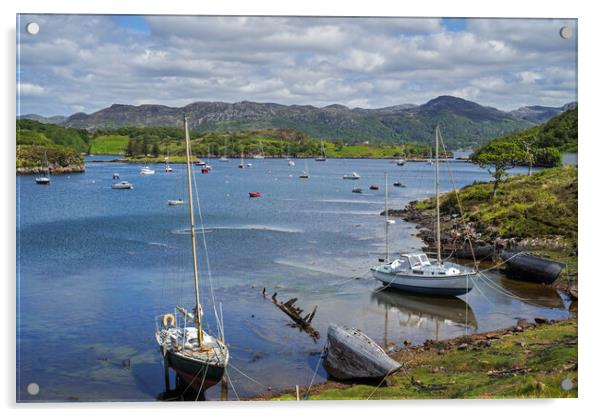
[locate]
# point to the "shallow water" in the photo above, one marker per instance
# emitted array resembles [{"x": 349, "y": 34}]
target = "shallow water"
[{"x": 96, "y": 266}]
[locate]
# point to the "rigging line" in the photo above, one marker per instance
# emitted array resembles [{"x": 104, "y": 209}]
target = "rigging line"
[
  {"x": 496, "y": 312},
  {"x": 191, "y": 381},
  {"x": 248, "y": 377},
  {"x": 460, "y": 208},
  {"x": 209, "y": 274}
]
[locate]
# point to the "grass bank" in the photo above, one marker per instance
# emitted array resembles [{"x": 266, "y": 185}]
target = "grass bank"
[
  {"x": 537, "y": 213},
  {"x": 528, "y": 361}
]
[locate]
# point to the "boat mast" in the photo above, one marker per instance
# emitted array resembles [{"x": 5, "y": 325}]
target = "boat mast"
[
  {"x": 193, "y": 236},
  {"x": 438, "y": 221},
  {"x": 386, "y": 220}
]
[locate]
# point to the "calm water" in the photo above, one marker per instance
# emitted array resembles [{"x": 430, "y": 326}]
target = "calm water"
[{"x": 96, "y": 266}]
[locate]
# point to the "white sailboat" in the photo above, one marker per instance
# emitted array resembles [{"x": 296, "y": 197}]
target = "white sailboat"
[
  {"x": 224, "y": 158},
  {"x": 322, "y": 157},
  {"x": 198, "y": 358},
  {"x": 414, "y": 272},
  {"x": 44, "y": 179},
  {"x": 352, "y": 176},
  {"x": 305, "y": 174},
  {"x": 147, "y": 171},
  {"x": 242, "y": 161}
]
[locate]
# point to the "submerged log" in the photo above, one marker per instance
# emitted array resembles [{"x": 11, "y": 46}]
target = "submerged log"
[{"x": 294, "y": 312}]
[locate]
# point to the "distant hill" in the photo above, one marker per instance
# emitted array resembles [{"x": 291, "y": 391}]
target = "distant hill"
[
  {"x": 547, "y": 141},
  {"x": 464, "y": 123},
  {"x": 57, "y": 120},
  {"x": 541, "y": 114}
]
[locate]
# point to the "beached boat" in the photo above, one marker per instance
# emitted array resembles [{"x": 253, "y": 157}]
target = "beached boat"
[
  {"x": 352, "y": 176},
  {"x": 122, "y": 185},
  {"x": 525, "y": 266},
  {"x": 414, "y": 272},
  {"x": 350, "y": 354},
  {"x": 197, "y": 357}
]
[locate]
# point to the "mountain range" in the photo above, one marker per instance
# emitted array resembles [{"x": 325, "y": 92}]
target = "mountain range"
[{"x": 464, "y": 123}]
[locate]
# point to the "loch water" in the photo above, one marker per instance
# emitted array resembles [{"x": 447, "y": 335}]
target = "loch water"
[{"x": 96, "y": 266}]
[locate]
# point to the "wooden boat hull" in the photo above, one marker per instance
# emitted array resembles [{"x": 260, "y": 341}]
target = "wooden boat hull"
[
  {"x": 528, "y": 267},
  {"x": 447, "y": 286},
  {"x": 481, "y": 252},
  {"x": 199, "y": 376},
  {"x": 350, "y": 354}
]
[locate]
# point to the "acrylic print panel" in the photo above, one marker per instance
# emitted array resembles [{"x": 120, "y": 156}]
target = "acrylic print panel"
[{"x": 307, "y": 152}]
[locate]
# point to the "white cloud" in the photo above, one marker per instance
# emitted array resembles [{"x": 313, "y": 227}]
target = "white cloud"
[
  {"x": 28, "y": 89},
  {"x": 90, "y": 62}
]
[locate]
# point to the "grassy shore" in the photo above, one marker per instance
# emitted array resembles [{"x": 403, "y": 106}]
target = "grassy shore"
[
  {"x": 528, "y": 361},
  {"x": 536, "y": 213}
]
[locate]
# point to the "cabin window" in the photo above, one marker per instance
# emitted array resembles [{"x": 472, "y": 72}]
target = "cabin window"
[{"x": 424, "y": 259}]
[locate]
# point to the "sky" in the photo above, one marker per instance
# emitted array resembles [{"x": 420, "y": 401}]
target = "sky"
[{"x": 83, "y": 63}]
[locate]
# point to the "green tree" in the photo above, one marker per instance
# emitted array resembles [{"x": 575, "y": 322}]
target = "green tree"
[
  {"x": 155, "y": 150},
  {"x": 498, "y": 157}
]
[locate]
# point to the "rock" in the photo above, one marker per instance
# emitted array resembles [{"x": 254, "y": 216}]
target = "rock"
[
  {"x": 407, "y": 342},
  {"x": 541, "y": 320},
  {"x": 463, "y": 346},
  {"x": 522, "y": 323}
]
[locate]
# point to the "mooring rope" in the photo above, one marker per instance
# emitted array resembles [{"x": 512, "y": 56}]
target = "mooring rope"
[
  {"x": 250, "y": 378},
  {"x": 314, "y": 376}
]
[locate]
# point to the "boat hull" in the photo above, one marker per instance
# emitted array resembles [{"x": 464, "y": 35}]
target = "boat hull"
[
  {"x": 199, "y": 376},
  {"x": 449, "y": 286},
  {"x": 350, "y": 354},
  {"x": 531, "y": 268}
]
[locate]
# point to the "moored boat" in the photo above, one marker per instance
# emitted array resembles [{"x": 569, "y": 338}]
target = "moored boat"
[
  {"x": 44, "y": 179},
  {"x": 197, "y": 357},
  {"x": 352, "y": 176},
  {"x": 254, "y": 194},
  {"x": 350, "y": 354},
  {"x": 374, "y": 187},
  {"x": 357, "y": 190},
  {"x": 177, "y": 202},
  {"x": 122, "y": 185},
  {"x": 147, "y": 171},
  {"x": 415, "y": 272},
  {"x": 525, "y": 266}
]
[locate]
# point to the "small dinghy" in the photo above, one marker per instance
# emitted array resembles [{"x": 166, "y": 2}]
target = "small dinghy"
[
  {"x": 350, "y": 354},
  {"x": 525, "y": 266},
  {"x": 398, "y": 184},
  {"x": 178, "y": 202},
  {"x": 123, "y": 185},
  {"x": 357, "y": 190},
  {"x": 254, "y": 194},
  {"x": 374, "y": 187}
]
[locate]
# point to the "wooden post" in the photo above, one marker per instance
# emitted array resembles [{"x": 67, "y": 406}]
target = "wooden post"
[
  {"x": 166, "y": 369},
  {"x": 297, "y": 391}
]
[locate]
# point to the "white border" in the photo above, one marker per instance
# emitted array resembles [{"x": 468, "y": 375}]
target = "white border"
[{"x": 589, "y": 145}]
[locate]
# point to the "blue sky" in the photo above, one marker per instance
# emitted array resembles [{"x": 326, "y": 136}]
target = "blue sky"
[{"x": 88, "y": 62}]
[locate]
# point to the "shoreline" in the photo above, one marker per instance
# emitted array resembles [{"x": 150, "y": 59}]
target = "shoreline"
[
  {"x": 426, "y": 367},
  {"x": 70, "y": 169}
]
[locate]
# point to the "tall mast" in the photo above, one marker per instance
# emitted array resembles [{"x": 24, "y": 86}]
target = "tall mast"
[
  {"x": 438, "y": 224},
  {"x": 193, "y": 236},
  {"x": 386, "y": 220}
]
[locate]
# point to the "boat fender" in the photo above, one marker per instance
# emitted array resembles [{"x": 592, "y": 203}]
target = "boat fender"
[{"x": 169, "y": 320}]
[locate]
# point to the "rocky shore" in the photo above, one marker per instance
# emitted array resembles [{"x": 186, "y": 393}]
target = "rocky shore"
[{"x": 54, "y": 170}]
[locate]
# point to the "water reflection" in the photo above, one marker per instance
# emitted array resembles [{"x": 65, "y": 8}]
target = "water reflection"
[
  {"x": 533, "y": 294},
  {"x": 419, "y": 310}
]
